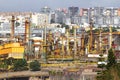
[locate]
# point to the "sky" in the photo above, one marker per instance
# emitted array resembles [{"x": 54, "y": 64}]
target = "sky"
[{"x": 36, "y": 5}]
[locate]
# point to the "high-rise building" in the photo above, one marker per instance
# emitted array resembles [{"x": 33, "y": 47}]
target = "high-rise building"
[
  {"x": 101, "y": 16},
  {"x": 73, "y": 11},
  {"x": 45, "y": 9},
  {"x": 40, "y": 20},
  {"x": 83, "y": 12},
  {"x": 59, "y": 16}
]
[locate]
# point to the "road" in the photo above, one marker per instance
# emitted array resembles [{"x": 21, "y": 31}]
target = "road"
[{"x": 22, "y": 74}]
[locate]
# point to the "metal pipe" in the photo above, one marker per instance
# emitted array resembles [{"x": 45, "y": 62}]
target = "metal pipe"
[
  {"x": 75, "y": 45},
  {"x": 12, "y": 27},
  {"x": 91, "y": 37},
  {"x": 82, "y": 44},
  {"x": 27, "y": 26},
  {"x": 68, "y": 51},
  {"x": 110, "y": 36},
  {"x": 100, "y": 40}
]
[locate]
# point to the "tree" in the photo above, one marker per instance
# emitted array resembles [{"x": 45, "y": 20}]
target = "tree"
[
  {"x": 105, "y": 76},
  {"x": 20, "y": 65},
  {"x": 66, "y": 26},
  {"x": 71, "y": 30},
  {"x": 17, "y": 24},
  {"x": 9, "y": 61},
  {"x": 34, "y": 66},
  {"x": 113, "y": 68},
  {"x": 111, "y": 58},
  {"x": 117, "y": 67}
]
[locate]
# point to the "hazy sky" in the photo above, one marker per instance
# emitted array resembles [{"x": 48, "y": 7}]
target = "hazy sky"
[{"x": 36, "y": 5}]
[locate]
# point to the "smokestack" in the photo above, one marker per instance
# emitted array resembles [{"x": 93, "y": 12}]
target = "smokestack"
[
  {"x": 27, "y": 26},
  {"x": 12, "y": 27}
]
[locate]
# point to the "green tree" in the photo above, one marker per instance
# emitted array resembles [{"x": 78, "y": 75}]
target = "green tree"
[
  {"x": 66, "y": 26},
  {"x": 17, "y": 24},
  {"x": 20, "y": 65},
  {"x": 71, "y": 30},
  {"x": 111, "y": 58},
  {"x": 9, "y": 61},
  {"x": 105, "y": 75},
  {"x": 34, "y": 66},
  {"x": 117, "y": 67}
]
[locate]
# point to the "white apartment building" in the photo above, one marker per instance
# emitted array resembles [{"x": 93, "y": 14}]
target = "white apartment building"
[{"x": 39, "y": 20}]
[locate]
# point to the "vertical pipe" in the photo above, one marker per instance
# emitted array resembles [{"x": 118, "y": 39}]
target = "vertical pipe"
[
  {"x": 110, "y": 36},
  {"x": 100, "y": 40},
  {"x": 12, "y": 27},
  {"x": 27, "y": 26},
  {"x": 82, "y": 44},
  {"x": 91, "y": 36},
  {"x": 75, "y": 48},
  {"x": 45, "y": 34},
  {"x": 68, "y": 42},
  {"x": 62, "y": 46},
  {"x": 44, "y": 54}
]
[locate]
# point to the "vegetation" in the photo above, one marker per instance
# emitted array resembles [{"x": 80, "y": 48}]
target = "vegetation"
[
  {"x": 64, "y": 25},
  {"x": 72, "y": 30},
  {"x": 111, "y": 59},
  {"x": 12, "y": 64},
  {"x": 17, "y": 24},
  {"x": 101, "y": 59},
  {"x": 34, "y": 66},
  {"x": 6, "y": 63},
  {"x": 112, "y": 69},
  {"x": 20, "y": 65},
  {"x": 9, "y": 61},
  {"x": 3, "y": 66},
  {"x": 105, "y": 75}
]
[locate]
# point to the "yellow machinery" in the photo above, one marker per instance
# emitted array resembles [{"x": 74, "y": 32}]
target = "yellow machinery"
[{"x": 12, "y": 50}]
